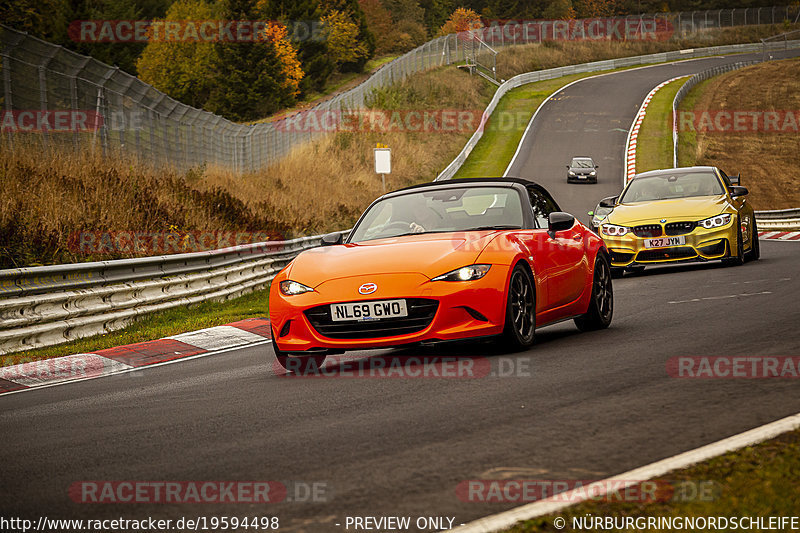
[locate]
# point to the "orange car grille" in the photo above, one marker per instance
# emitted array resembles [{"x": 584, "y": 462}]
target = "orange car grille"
[{"x": 420, "y": 314}]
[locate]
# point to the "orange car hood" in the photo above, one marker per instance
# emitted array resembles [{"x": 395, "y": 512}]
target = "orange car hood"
[{"x": 429, "y": 254}]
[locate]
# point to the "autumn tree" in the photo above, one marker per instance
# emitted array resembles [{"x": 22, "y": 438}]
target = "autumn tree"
[
  {"x": 461, "y": 20},
  {"x": 409, "y": 23},
  {"x": 341, "y": 34},
  {"x": 184, "y": 69},
  {"x": 379, "y": 21},
  {"x": 306, "y": 37},
  {"x": 353, "y": 12}
]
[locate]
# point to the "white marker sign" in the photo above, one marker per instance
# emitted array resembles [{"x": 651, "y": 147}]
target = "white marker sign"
[{"x": 383, "y": 160}]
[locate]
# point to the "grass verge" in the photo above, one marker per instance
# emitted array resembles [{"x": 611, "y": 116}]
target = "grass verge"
[
  {"x": 760, "y": 150},
  {"x": 156, "y": 326},
  {"x": 757, "y": 481},
  {"x": 504, "y": 129},
  {"x": 654, "y": 147}
]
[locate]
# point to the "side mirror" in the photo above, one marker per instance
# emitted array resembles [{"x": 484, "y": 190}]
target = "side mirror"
[
  {"x": 739, "y": 191},
  {"x": 611, "y": 202},
  {"x": 735, "y": 180},
  {"x": 332, "y": 239},
  {"x": 558, "y": 221},
  {"x": 567, "y": 166},
  {"x": 590, "y": 213},
  {"x": 597, "y": 166}
]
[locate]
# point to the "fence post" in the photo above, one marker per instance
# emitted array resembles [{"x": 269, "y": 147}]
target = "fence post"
[
  {"x": 42, "y": 68},
  {"x": 7, "y": 93}
]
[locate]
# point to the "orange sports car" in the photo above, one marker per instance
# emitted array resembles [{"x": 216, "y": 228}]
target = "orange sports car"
[{"x": 439, "y": 262}]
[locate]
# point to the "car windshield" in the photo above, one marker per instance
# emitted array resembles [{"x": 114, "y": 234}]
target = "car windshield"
[
  {"x": 441, "y": 210},
  {"x": 668, "y": 186},
  {"x": 582, "y": 163}
]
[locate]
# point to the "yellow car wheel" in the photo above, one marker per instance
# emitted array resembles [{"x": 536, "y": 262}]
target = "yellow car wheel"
[{"x": 738, "y": 259}]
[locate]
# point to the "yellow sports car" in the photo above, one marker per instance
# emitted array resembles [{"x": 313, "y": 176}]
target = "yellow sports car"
[{"x": 679, "y": 215}]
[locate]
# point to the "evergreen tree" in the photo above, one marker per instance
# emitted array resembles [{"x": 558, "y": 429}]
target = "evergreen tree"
[
  {"x": 436, "y": 13},
  {"x": 251, "y": 78}
]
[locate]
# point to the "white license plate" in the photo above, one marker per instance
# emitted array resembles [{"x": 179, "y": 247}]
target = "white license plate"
[
  {"x": 661, "y": 242},
  {"x": 369, "y": 310}
]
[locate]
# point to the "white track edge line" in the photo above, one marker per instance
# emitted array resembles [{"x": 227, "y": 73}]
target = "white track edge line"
[
  {"x": 135, "y": 368},
  {"x": 637, "y": 123},
  {"x": 623, "y": 69},
  {"x": 554, "y": 504}
]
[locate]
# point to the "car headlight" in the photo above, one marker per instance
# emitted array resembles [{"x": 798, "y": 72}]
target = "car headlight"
[
  {"x": 291, "y": 288},
  {"x": 716, "y": 221},
  {"x": 593, "y": 173},
  {"x": 571, "y": 173},
  {"x": 614, "y": 230},
  {"x": 467, "y": 273}
]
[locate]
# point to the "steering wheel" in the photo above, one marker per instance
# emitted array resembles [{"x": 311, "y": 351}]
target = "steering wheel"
[{"x": 397, "y": 224}]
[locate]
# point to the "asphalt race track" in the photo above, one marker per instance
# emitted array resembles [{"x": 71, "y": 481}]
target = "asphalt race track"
[
  {"x": 592, "y": 118},
  {"x": 576, "y": 406}
]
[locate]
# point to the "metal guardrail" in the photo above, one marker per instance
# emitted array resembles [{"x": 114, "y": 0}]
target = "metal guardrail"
[
  {"x": 688, "y": 86},
  {"x": 782, "y": 219},
  {"x": 788, "y": 219},
  {"x": 597, "y": 66},
  {"x": 41, "y": 306},
  {"x": 779, "y": 42}
]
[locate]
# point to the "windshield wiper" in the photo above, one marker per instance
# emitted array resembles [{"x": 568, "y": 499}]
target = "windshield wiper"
[
  {"x": 499, "y": 226},
  {"x": 418, "y": 233}
]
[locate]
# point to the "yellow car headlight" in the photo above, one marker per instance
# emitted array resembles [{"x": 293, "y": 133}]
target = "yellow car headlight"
[
  {"x": 715, "y": 221},
  {"x": 613, "y": 230}
]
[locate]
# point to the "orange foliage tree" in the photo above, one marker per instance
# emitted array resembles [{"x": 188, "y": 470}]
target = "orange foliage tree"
[{"x": 462, "y": 19}]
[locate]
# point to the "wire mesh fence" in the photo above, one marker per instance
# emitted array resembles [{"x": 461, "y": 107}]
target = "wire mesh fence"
[{"x": 55, "y": 97}]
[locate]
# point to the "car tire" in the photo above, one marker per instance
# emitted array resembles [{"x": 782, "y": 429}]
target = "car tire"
[
  {"x": 520, "y": 324},
  {"x": 755, "y": 249},
  {"x": 601, "y": 305},
  {"x": 301, "y": 365},
  {"x": 738, "y": 259}
]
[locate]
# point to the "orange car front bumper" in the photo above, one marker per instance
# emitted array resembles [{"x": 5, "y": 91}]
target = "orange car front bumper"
[{"x": 438, "y": 311}]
